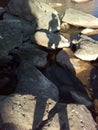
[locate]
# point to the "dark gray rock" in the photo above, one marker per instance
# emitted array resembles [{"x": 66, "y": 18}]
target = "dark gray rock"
[
  {"x": 32, "y": 81},
  {"x": 10, "y": 37},
  {"x": 27, "y": 28},
  {"x": 30, "y": 53}
]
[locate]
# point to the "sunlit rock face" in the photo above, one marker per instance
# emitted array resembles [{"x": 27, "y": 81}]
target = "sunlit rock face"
[
  {"x": 50, "y": 40},
  {"x": 79, "y": 18},
  {"x": 36, "y": 11},
  {"x": 79, "y": 1}
]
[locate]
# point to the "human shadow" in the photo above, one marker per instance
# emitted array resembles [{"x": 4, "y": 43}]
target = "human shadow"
[{"x": 54, "y": 39}]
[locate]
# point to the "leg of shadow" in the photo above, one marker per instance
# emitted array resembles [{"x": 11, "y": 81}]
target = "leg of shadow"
[
  {"x": 39, "y": 112},
  {"x": 61, "y": 110}
]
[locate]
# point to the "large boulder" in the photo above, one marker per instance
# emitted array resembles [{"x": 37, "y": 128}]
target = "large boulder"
[
  {"x": 25, "y": 112},
  {"x": 32, "y": 81},
  {"x": 30, "y": 53},
  {"x": 50, "y": 40},
  {"x": 10, "y": 36},
  {"x": 27, "y": 28},
  {"x": 79, "y": 18},
  {"x": 36, "y": 11}
]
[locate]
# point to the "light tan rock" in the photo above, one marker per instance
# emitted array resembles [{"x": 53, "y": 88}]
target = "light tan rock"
[
  {"x": 89, "y": 31},
  {"x": 79, "y": 18},
  {"x": 80, "y": 1},
  {"x": 24, "y": 112},
  {"x": 50, "y": 40}
]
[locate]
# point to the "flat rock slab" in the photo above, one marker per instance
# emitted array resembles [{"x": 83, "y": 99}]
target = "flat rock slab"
[
  {"x": 50, "y": 40},
  {"x": 10, "y": 37},
  {"x": 25, "y": 112},
  {"x": 87, "y": 49},
  {"x": 79, "y": 18}
]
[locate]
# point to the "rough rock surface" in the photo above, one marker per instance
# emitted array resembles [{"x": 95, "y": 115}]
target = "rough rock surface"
[
  {"x": 30, "y": 53},
  {"x": 36, "y": 11},
  {"x": 87, "y": 49},
  {"x": 25, "y": 112},
  {"x": 50, "y": 40},
  {"x": 10, "y": 37},
  {"x": 32, "y": 81},
  {"x": 79, "y": 18},
  {"x": 27, "y": 28}
]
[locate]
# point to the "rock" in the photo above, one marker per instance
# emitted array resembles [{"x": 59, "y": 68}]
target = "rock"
[
  {"x": 55, "y": 5},
  {"x": 4, "y": 2},
  {"x": 87, "y": 49},
  {"x": 31, "y": 81},
  {"x": 50, "y": 40},
  {"x": 24, "y": 112},
  {"x": 80, "y": 68},
  {"x": 2, "y": 10},
  {"x": 64, "y": 27},
  {"x": 10, "y": 37},
  {"x": 43, "y": 113},
  {"x": 70, "y": 117},
  {"x": 70, "y": 88},
  {"x": 30, "y": 53},
  {"x": 8, "y": 78},
  {"x": 64, "y": 59},
  {"x": 89, "y": 31},
  {"x": 79, "y": 18},
  {"x": 27, "y": 28},
  {"x": 35, "y": 11},
  {"x": 80, "y": 1}
]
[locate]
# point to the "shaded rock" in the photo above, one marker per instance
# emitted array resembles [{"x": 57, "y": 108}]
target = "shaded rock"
[
  {"x": 36, "y": 11},
  {"x": 79, "y": 18},
  {"x": 50, "y": 40},
  {"x": 89, "y": 31},
  {"x": 24, "y": 112},
  {"x": 32, "y": 81},
  {"x": 4, "y": 2},
  {"x": 27, "y": 28},
  {"x": 64, "y": 59},
  {"x": 10, "y": 37},
  {"x": 2, "y": 10},
  {"x": 70, "y": 88},
  {"x": 87, "y": 49},
  {"x": 70, "y": 117},
  {"x": 8, "y": 78},
  {"x": 30, "y": 53},
  {"x": 81, "y": 69}
]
